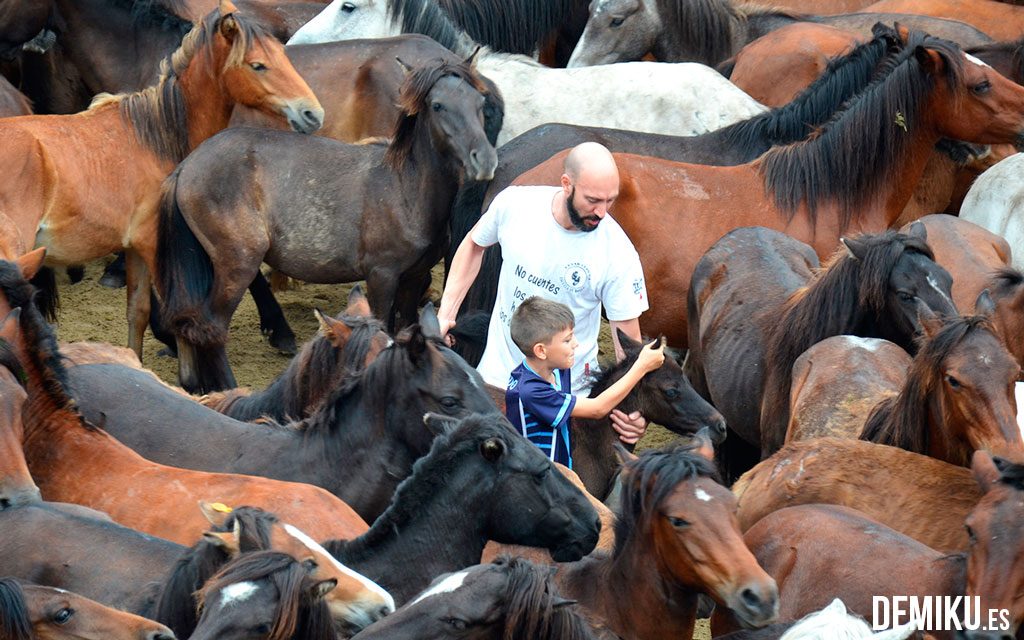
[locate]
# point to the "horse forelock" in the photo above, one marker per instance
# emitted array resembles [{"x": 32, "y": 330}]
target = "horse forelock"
[
  {"x": 14, "y": 621},
  {"x": 254, "y": 524},
  {"x": 281, "y": 569},
  {"x": 651, "y": 478},
  {"x": 856, "y": 153}
]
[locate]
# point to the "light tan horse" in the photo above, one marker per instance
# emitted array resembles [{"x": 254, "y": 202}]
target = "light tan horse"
[{"x": 87, "y": 184}]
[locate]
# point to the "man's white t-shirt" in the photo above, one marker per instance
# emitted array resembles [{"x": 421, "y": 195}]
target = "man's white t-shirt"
[{"x": 582, "y": 270}]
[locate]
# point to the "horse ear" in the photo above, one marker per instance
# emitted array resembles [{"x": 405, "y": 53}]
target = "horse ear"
[
  {"x": 30, "y": 263},
  {"x": 985, "y": 469},
  {"x": 902, "y": 31},
  {"x": 623, "y": 454},
  {"x": 930, "y": 323},
  {"x": 559, "y": 601},
  {"x": 414, "y": 341},
  {"x": 10, "y": 324},
  {"x": 929, "y": 59},
  {"x": 471, "y": 59},
  {"x": 628, "y": 344},
  {"x": 216, "y": 513},
  {"x": 336, "y": 331},
  {"x": 857, "y": 249},
  {"x": 228, "y": 26},
  {"x": 405, "y": 68},
  {"x": 428, "y": 322},
  {"x": 985, "y": 305},
  {"x": 703, "y": 445},
  {"x": 320, "y": 589},
  {"x": 357, "y": 303},
  {"x": 224, "y": 540},
  {"x": 491, "y": 449},
  {"x": 918, "y": 230},
  {"x": 438, "y": 424}
]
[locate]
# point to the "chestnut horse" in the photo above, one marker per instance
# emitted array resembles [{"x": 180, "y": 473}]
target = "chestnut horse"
[
  {"x": 959, "y": 394},
  {"x": 84, "y": 210},
  {"x": 837, "y": 383},
  {"x": 32, "y": 612},
  {"x": 16, "y": 484},
  {"x": 676, "y": 538},
  {"x": 999, "y": 20},
  {"x": 857, "y": 174},
  {"x": 818, "y": 552},
  {"x": 206, "y": 262}
]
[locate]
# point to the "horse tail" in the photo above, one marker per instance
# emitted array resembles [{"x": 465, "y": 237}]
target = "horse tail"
[
  {"x": 14, "y": 620},
  {"x": 46, "y": 299},
  {"x": 184, "y": 273}
]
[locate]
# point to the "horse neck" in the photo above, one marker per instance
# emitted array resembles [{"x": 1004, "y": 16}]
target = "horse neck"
[
  {"x": 284, "y": 399},
  {"x": 430, "y": 178},
  {"x": 207, "y": 104},
  {"x": 627, "y": 592},
  {"x": 900, "y": 189}
]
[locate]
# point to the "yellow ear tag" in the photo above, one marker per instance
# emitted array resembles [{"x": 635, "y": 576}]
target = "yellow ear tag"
[{"x": 221, "y": 507}]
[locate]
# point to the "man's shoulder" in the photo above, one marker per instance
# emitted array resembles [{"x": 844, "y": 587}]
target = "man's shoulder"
[
  {"x": 613, "y": 232},
  {"x": 520, "y": 195}
]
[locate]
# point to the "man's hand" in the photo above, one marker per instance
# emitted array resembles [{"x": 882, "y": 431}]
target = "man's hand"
[
  {"x": 629, "y": 427},
  {"x": 446, "y": 326}
]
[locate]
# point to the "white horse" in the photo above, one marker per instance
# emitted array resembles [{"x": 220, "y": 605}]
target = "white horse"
[
  {"x": 683, "y": 99},
  {"x": 834, "y": 623},
  {"x": 996, "y": 202}
]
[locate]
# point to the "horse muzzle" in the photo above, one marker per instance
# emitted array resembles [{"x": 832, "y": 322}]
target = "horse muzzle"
[
  {"x": 482, "y": 163},
  {"x": 19, "y": 497},
  {"x": 305, "y": 117},
  {"x": 1018, "y": 144},
  {"x": 755, "y": 604}
]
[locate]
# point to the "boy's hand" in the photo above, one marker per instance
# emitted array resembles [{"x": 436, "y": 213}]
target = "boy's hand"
[{"x": 652, "y": 357}]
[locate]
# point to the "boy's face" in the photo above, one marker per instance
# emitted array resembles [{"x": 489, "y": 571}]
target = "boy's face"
[{"x": 560, "y": 352}]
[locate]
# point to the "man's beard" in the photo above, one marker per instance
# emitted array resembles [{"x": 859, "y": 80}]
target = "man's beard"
[{"x": 576, "y": 219}]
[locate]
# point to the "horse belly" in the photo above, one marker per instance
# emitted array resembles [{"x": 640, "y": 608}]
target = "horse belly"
[{"x": 318, "y": 257}]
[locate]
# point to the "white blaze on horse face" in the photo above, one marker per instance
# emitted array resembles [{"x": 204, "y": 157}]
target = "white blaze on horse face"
[
  {"x": 449, "y": 584},
  {"x": 238, "y": 592},
  {"x": 868, "y": 344},
  {"x": 935, "y": 285},
  {"x": 702, "y": 495},
  {"x": 368, "y": 584},
  {"x": 980, "y": 63}
]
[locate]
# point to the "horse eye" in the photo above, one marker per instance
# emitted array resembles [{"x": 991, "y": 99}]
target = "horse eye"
[
  {"x": 62, "y": 616},
  {"x": 904, "y": 296},
  {"x": 982, "y": 87},
  {"x": 348, "y": 7},
  {"x": 310, "y": 564},
  {"x": 437, "y": 106},
  {"x": 617, "y": 22},
  {"x": 456, "y": 623},
  {"x": 678, "y": 523},
  {"x": 449, "y": 402},
  {"x": 671, "y": 393},
  {"x": 258, "y": 66},
  {"x": 953, "y": 382}
]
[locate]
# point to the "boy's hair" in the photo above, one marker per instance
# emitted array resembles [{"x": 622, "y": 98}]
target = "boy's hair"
[{"x": 537, "y": 320}]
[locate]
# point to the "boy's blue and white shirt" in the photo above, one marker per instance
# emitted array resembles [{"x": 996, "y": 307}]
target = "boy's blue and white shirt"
[{"x": 540, "y": 410}]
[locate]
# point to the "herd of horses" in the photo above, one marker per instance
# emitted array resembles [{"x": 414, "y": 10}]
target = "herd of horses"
[{"x": 824, "y": 203}]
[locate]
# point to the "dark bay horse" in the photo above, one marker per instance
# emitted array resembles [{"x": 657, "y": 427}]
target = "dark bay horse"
[
  {"x": 481, "y": 480},
  {"x": 138, "y": 138},
  {"x": 439, "y": 140},
  {"x": 959, "y": 395},
  {"x": 267, "y": 595},
  {"x": 510, "y": 598},
  {"x": 345, "y": 345},
  {"x": 359, "y": 444},
  {"x": 676, "y": 538},
  {"x": 33, "y": 612},
  {"x": 664, "y": 396},
  {"x": 819, "y": 552},
  {"x": 797, "y": 188},
  {"x": 917, "y": 495}
]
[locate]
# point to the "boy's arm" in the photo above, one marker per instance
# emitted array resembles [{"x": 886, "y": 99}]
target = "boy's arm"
[{"x": 599, "y": 407}]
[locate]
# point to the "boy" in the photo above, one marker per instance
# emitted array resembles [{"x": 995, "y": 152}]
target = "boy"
[{"x": 539, "y": 398}]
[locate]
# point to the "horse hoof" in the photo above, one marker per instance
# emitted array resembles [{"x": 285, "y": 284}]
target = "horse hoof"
[
  {"x": 167, "y": 352},
  {"x": 75, "y": 274},
  {"x": 112, "y": 280},
  {"x": 284, "y": 344}
]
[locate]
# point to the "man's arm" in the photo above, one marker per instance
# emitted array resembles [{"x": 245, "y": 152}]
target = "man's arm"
[
  {"x": 630, "y": 427},
  {"x": 464, "y": 269},
  {"x": 629, "y": 327}
]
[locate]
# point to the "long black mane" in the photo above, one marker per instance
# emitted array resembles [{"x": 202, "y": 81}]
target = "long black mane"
[
  {"x": 14, "y": 621},
  {"x": 902, "y": 420},
  {"x": 648, "y": 480},
  {"x": 861, "y": 147}
]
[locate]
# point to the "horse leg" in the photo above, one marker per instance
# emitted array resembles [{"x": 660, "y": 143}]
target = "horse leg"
[
  {"x": 75, "y": 273},
  {"x": 382, "y": 288},
  {"x": 411, "y": 289},
  {"x": 160, "y": 329},
  {"x": 139, "y": 283},
  {"x": 114, "y": 276},
  {"x": 272, "y": 321}
]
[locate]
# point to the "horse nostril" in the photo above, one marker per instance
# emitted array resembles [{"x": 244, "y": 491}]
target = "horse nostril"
[
  {"x": 750, "y": 598},
  {"x": 383, "y": 611},
  {"x": 5, "y": 503}
]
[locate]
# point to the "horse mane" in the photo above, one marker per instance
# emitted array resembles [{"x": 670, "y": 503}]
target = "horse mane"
[
  {"x": 296, "y": 616},
  {"x": 412, "y": 100},
  {"x": 649, "y": 479},
  {"x": 14, "y": 621},
  {"x": 529, "y": 610},
  {"x": 430, "y": 475},
  {"x": 843, "y": 78},
  {"x": 901, "y": 421},
  {"x": 40, "y": 342},
  {"x": 851, "y": 157},
  {"x": 158, "y": 113},
  {"x": 705, "y": 27},
  {"x": 519, "y": 27},
  {"x": 426, "y": 17}
]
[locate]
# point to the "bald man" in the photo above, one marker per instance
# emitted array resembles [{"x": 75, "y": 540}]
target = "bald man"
[{"x": 558, "y": 243}]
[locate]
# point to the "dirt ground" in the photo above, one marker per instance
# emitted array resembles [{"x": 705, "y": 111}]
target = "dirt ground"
[{"x": 92, "y": 312}]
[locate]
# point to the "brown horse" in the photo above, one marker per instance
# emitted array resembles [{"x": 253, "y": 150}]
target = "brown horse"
[
  {"x": 16, "y": 484},
  {"x": 676, "y": 537},
  {"x": 917, "y": 495},
  {"x": 439, "y": 141},
  {"x": 32, "y": 612},
  {"x": 12, "y": 101},
  {"x": 857, "y": 174},
  {"x": 819, "y": 552},
  {"x": 79, "y": 210},
  {"x": 999, "y": 20},
  {"x": 838, "y": 382},
  {"x": 959, "y": 395},
  {"x": 72, "y": 460}
]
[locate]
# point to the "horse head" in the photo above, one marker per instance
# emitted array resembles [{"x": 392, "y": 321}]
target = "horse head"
[
  {"x": 16, "y": 484},
  {"x": 348, "y": 20}
]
